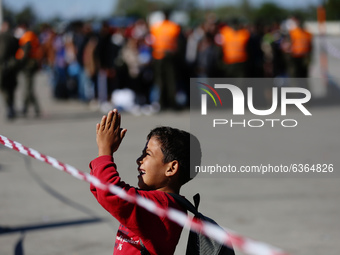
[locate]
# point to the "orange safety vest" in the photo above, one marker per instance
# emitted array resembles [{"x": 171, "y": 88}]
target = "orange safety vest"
[
  {"x": 33, "y": 39},
  {"x": 234, "y": 44},
  {"x": 301, "y": 42},
  {"x": 164, "y": 38}
]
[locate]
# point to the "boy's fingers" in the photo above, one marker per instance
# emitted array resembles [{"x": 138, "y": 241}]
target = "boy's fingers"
[
  {"x": 102, "y": 123},
  {"x": 118, "y": 120},
  {"x": 122, "y": 133},
  {"x": 109, "y": 119},
  {"x": 114, "y": 121}
]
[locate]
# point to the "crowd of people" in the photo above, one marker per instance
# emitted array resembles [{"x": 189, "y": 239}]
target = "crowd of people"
[{"x": 144, "y": 67}]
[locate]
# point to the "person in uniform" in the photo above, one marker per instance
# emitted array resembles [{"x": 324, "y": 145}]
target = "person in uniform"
[
  {"x": 30, "y": 41},
  {"x": 9, "y": 68},
  {"x": 300, "y": 50},
  {"x": 165, "y": 35},
  {"x": 234, "y": 40}
]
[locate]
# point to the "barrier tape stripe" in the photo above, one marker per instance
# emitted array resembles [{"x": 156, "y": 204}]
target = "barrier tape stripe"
[{"x": 225, "y": 236}]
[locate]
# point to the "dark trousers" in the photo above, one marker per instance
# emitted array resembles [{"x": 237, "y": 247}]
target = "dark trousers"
[
  {"x": 236, "y": 70},
  {"x": 165, "y": 78},
  {"x": 8, "y": 85},
  {"x": 30, "y": 97},
  {"x": 300, "y": 67},
  {"x": 300, "y": 70}
]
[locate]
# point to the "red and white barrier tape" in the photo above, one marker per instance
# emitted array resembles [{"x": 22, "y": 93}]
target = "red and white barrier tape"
[{"x": 225, "y": 236}]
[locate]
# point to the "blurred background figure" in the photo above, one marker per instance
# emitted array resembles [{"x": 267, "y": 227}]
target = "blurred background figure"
[
  {"x": 203, "y": 55},
  {"x": 47, "y": 37},
  {"x": 234, "y": 40},
  {"x": 59, "y": 65},
  {"x": 165, "y": 35},
  {"x": 135, "y": 69},
  {"x": 255, "y": 61},
  {"x": 29, "y": 41},
  {"x": 106, "y": 52},
  {"x": 9, "y": 68},
  {"x": 300, "y": 49},
  {"x": 275, "y": 57},
  {"x": 85, "y": 41}
]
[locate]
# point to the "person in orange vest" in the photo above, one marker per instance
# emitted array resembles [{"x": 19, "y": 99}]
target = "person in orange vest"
[
  {"x": 164, "y": 42},
  {"x": 29, "y": 40},
  {"x": 300, "y": 49},
  {"x": 9, "y": 68},
  {"x": 234, "y": 42}
]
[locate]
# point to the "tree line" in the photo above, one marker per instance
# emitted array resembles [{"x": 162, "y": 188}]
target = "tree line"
[{"x": 267, "y": 11}]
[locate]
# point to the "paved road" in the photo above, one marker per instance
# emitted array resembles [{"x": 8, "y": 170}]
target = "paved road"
[{"x": 49, "y": 212}]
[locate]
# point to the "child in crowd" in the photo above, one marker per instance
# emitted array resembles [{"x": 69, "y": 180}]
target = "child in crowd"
[{"x": 163, "y": 168}]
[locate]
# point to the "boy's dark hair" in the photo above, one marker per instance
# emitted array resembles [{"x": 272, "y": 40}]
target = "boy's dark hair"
[{"x": 179, "y": 145}]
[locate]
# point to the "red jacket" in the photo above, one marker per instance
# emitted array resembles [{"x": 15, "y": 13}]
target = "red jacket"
[{"x": 159, "y": 235}]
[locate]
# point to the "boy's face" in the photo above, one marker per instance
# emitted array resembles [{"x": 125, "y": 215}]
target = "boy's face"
[{"x": 152, "y": 170}]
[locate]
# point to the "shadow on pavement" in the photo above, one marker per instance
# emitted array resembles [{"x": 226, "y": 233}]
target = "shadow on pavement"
[{"x": 24, "y": 228}]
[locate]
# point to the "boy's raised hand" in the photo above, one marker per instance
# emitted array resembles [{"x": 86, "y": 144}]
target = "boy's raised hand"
[{"x": 109, "y": 133}]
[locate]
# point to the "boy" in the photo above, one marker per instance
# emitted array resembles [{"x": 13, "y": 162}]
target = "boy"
[{"x": 163, "y": 168}]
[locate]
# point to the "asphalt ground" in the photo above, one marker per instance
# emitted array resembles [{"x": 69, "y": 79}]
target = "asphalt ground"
[{"x": 45, "y": 211}]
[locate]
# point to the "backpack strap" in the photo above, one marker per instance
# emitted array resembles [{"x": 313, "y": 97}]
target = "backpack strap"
[
  {"x": 143, "y": 251},
  {"x": 187, "y": 204},
  {"x": 197, "y": 199},
  {"x": 198, "y": 243}
]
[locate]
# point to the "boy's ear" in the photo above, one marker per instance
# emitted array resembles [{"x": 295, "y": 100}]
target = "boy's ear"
[{"x": 173, "y": 168}]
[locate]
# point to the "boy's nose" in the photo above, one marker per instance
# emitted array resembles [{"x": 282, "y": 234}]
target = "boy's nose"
[{"x": 139, "y": 160}]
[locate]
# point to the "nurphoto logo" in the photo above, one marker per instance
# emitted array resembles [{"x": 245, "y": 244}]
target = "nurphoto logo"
[{"x": 288, "y": 97}]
